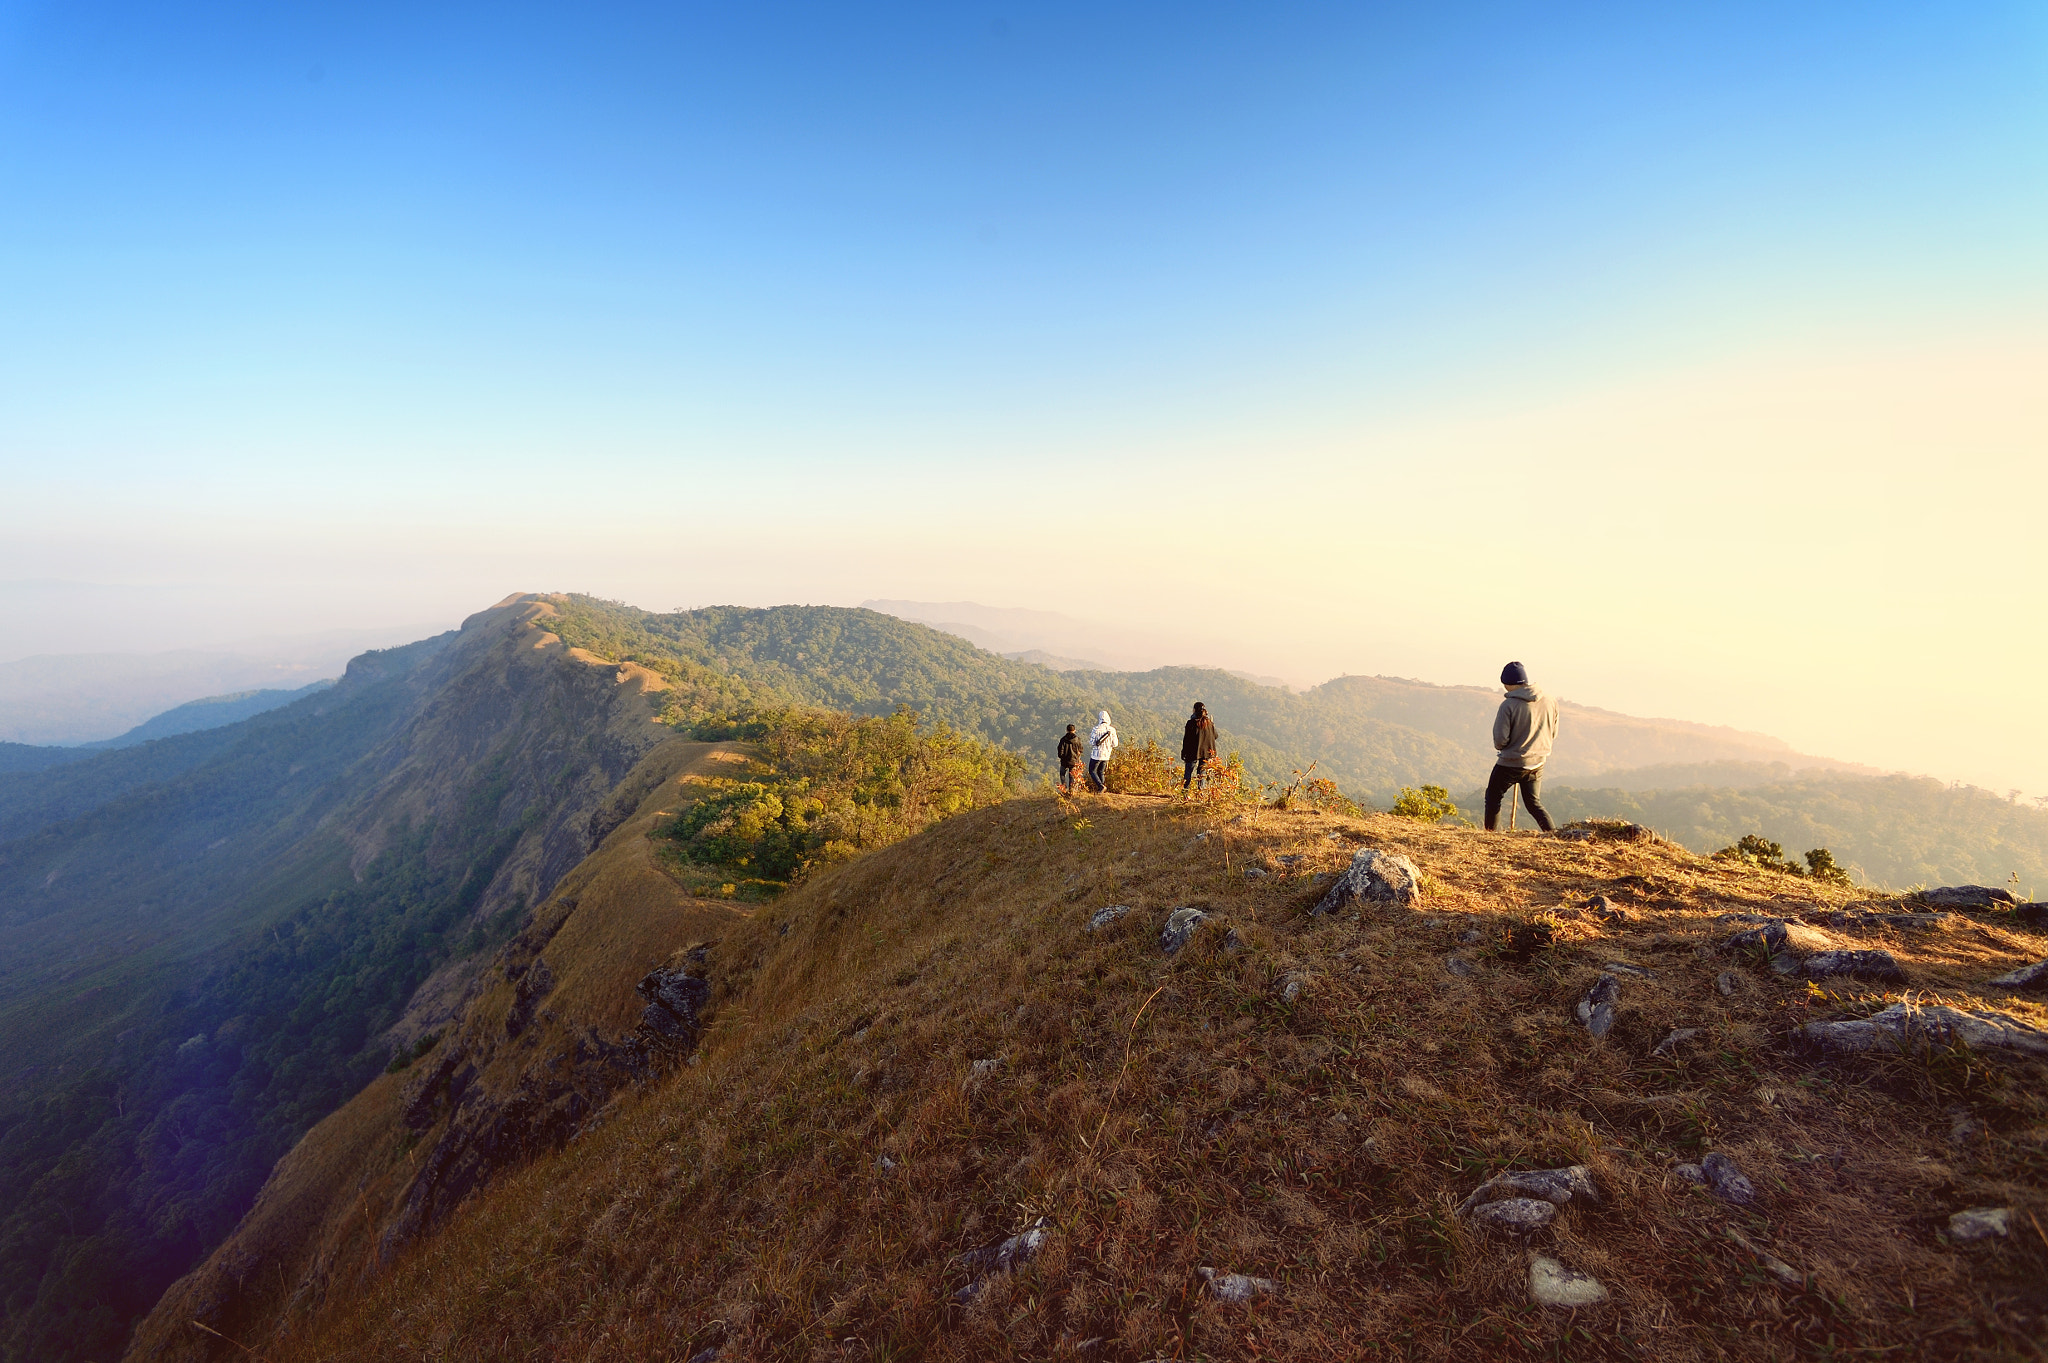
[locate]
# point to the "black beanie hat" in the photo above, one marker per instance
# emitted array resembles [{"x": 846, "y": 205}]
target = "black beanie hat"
[{"x": 1514, "y": 674}]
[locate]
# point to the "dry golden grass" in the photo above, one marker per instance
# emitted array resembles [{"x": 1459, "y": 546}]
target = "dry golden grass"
[{"x": 743, "y": 1201}]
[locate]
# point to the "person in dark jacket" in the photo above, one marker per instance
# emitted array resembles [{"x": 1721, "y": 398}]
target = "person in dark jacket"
[
  {"x": 1523, "y": 732},
  {"x": 1070, "y": 760},
  {"x": 1197, "y": 747}
]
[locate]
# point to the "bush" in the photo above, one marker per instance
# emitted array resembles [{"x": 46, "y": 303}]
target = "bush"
[
  {"x": 1149, "y": 770},
  {"x": 1431, "y": 804},
  {"x": 1820, "y": 864},
  {"x": 1315, "y": 792},
  {"x": 1754, "y": 849},
  {"x": 1225, "y": 783}
]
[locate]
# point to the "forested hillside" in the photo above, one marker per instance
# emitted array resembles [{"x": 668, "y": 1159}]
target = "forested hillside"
[{"x": 1891, "y": 831}]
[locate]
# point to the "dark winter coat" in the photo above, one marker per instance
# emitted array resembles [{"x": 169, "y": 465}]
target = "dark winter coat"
[
  {"x": 1070, "y": 751},
  {"x": 1198, "y": 740}
]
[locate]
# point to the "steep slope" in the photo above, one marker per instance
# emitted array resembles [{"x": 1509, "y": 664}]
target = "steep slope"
[
  {"x": 936, "y": 1115},
  {"x": 202, "y": 938}
]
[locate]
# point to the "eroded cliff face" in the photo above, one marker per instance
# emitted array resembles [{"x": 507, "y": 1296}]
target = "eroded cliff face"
[{"x": 600, "y": 989}]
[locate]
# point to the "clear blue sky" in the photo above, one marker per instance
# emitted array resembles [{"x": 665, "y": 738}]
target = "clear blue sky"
[{"x": 289, "y": 291}]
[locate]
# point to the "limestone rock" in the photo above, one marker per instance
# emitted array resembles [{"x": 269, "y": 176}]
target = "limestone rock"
[
  {"x": 1726, "y": 1180},
  {"x": 1726, "y": 983},
  {"x": 1624, "y": 968},
  {"x": 1862, "y": 965},
  {"x": 1670, "y": 1044},
  {"x": 1770, "y": 937},
  {"x": 1289, "y": 985},
  {"x": 981, "y": 1070},
  {"x": 1471, "y": 935},
  {"x": 1102, "y": 918},
  {"x": 1596, "y": 1010},
  {"x": 1786, "y": 1275},
  {"x": 1902, "y": 1024},
  {"x": 1515, "y": 1215},
  {"x": 2031, "y": 915},
  {"x": 1972, "y": 1224},
  {"x": 2031, "y": 978},
  {"x": 1180, "y": 928},
  {"x": 1967, "y": 897},
  {"x": 1255, "y": 873},
  {"x": 1552, "y": 1284},
  {"x": 1001, "y": 1257},
  {"x": 1607, "y": 911},
  {"x": 1458, "y": 966},
  {"x": 1373, "y": 877},
  {"x": 1556, "y": 1186},
  {"x": 1236, "y": 1289},
  {"x": 1691, "y": 1173}
]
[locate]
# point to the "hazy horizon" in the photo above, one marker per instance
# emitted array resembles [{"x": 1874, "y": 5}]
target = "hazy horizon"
[{"x": 1693, "y": 358}]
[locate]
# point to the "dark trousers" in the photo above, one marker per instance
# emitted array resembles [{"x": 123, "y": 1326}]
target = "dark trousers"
[
  {"x": 1098, "y": 773},
  {"x": 1197, "y": 768},
  {"x": 1531, "y": 783},
  {"x": 1067, "y": 779}
]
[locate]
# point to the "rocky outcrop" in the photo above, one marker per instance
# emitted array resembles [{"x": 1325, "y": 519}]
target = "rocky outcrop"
[
  {"x": 1904, "y": 1025},
  {"x": 1967, "y": 897},
  {"x": 2032, "y": 979}
]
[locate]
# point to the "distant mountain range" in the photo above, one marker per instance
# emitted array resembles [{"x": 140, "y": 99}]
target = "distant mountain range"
[{"x": 208, "y": 712}]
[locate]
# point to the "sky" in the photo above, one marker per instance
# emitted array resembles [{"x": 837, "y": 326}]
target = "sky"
[{"x": 1695, "y": 355}]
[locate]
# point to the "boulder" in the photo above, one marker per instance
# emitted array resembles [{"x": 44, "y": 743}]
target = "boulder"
[
  {"x": 1236, "y": 1289},
  {"x": 1102, "y": 918},
  {"x": 1515, "y": 1215},
  {"x": 1373, "y": 877},
  {"x": 1555, "y": 1186},
  {"x": 1596, "y": 1010},
  {"x": 1905, "y": 1024},
  {"x": 1552, "y": 1284},
  {"x": 675, "y": 1003},
  {"x": 2031, "y": 915},
  {"x": 1861, "y": 965},
  {"x": 1967, "y": 897},
  {"x": 1181, "y": 926},
  {"x": 1726, "y": 1180},
  {"x": 2033, "y": 979},
  {"x": 1972, "y": 1224}
]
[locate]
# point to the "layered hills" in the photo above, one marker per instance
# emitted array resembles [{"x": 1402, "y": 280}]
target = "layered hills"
[{"x": 454, "y": 919}]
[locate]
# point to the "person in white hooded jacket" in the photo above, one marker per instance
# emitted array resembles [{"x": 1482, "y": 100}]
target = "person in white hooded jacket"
[{"x": 1102, "y": 741}]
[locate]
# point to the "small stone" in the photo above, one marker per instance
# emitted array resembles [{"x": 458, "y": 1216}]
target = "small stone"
[
  {"x": 1289, "y": 985},
  {"x": 2033, "y": 979},
  {"x": 1471, "y": 935},
  {"x": 1607, "y": 911},
  {"x": 1102, "y": 918},
  {"x": 710, "y": 1355},
  {"x": 1001, "y": 1257},
  {"x": 1555, "y": 1186},
  {"x": 1235, "y": 1289},
  {"x": 1979, "y": 1223},
  {"x": 1670, "y": 1044},
  {"x": 980, "y": 1070},
  {"x": 1785, "y": 963},
  {"x": 1727, "y": 982},
  {"x": 1458, "y": 966},
  {"x": 1515, "y": 1215},
  {"x": 1180, "y": 928},
  {"x": 1862, "y": 965},
  {"x": 1626, "y": 969},
  {"x": 1770, "y": 937},
  {"x": 1290, "y": 860},
  {"x": 1726, "y": 1180},
  {"x": 1232, "y": 943},
  {"x": 1596, "y": 1010},
  {"x": 1773, "y": 1265},
  {"x": 1552, "y": 1284},
  {"x": 1963, "y": 1128},
  {"x": 884, "y": 1164},
  {"x": 1691, "y": 1173},
  {"x": 1255, "y": 873}
]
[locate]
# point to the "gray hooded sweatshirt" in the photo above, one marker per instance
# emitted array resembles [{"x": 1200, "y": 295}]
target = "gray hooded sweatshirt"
[
  {"x": 1102, "y": 739},
  {"x": 1525, "y": 728}
]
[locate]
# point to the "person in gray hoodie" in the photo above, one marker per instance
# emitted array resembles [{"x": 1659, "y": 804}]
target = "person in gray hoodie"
[
  {"x": 1102, "y": 741},
  {"x": 1523, "y": 731}
]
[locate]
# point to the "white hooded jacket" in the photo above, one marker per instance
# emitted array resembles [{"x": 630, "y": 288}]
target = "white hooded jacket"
[{"x": 1102, "y": 739}]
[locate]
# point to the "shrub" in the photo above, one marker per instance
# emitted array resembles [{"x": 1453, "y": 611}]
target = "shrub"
[
  {"x": 1431, "y": 804},
  {"x": 1820, "y": 864},
  {"x": 1754, "y": 849},
  {"x": 1315, "y": 792},
  {"x": 1149, "y": 770}
]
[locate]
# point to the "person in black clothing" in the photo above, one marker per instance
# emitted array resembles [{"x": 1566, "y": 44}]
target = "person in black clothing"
[
  {"x": 1197, "y": 747},
  {"x": 1070, "y": 760}
]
